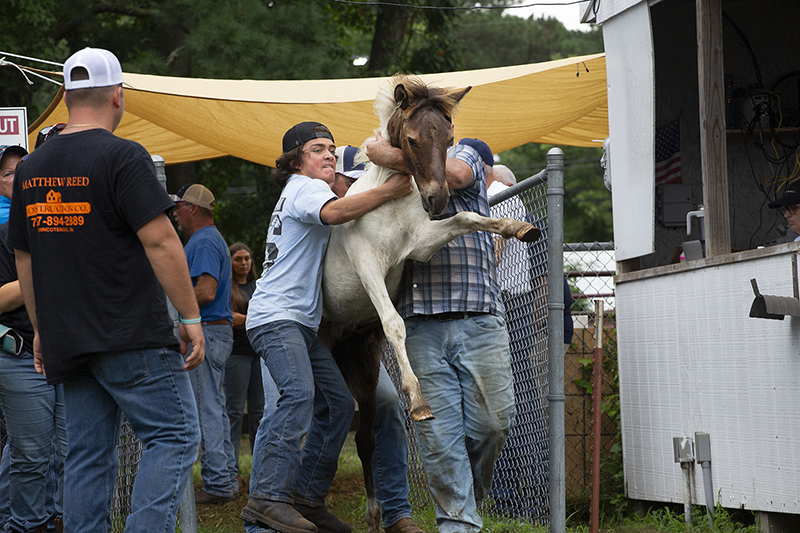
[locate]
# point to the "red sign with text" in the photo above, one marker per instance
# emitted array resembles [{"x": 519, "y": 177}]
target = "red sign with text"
[{"x": 14, "y": 126}]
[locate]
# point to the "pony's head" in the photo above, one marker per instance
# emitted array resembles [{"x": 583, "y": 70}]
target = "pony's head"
[{"x": 422, "y": 127}]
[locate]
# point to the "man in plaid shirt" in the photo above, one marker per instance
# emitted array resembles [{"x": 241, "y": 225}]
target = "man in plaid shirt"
[{"x": 457, "y": 344}]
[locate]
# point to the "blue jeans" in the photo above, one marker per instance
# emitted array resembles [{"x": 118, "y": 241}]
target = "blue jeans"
[
  {"x": 218, "y": 461},
  {"x": 270, "y": 404},
  {"x": 152, "y": 390},
  {"x": 34, "y": 414},
  {"x": 314, "y": 403},
  {"x": 390, "y": 462},
  {"x": 464, "y": 371},
  {"x": 243, "y": 384},
  {"x": 55, "y": 483}
]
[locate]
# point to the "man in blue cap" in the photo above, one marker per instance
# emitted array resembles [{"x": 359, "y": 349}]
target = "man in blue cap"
[
  {"x": 347, "y": 170},
  {"x": 458, "y": 345},
  {"x": 10, "y": 156}
]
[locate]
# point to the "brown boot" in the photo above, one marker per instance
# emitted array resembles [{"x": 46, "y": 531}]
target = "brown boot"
[
  {"x": 404, "y": 525},
  {"x": 59, "y": 525},
  {"x": 325, "y": 521},
  {"x": 276, "y": 515}
]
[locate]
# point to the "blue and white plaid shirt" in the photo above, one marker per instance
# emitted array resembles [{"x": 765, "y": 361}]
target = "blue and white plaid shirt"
[{"x": 461, "y": 276}]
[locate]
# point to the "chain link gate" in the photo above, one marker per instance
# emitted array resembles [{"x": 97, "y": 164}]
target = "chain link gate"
[
  {"x": 520, "y": 488},
  {"x": 590, "y": 270}
]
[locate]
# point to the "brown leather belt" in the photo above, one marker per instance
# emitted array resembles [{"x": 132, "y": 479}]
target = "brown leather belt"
[
  {"x": 220, "y": 322},
  {"x": 453, "y": 315}
]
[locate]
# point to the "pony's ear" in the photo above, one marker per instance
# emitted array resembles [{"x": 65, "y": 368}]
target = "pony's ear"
[
  {"x": 461, "y": 94},
  {"x": 401, "y": 96}
]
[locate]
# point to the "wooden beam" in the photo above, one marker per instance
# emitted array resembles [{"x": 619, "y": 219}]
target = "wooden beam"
[
  {"x": 628, "y": 265},
  {"x": 713, "y": 144}
]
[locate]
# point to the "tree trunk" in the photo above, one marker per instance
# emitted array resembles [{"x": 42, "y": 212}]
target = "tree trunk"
[{"x": 391, "y": 28}]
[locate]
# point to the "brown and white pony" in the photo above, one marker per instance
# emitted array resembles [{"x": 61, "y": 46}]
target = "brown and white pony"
[{"x": 364, "y": 262}]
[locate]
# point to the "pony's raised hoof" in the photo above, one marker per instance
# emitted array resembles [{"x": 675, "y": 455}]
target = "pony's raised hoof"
[
  {"x": 529, "y": 233},
  {"x": 421, "y": 413}
]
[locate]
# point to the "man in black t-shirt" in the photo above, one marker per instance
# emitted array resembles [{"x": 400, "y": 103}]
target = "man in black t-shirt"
[{"x": 94, "y": 247}]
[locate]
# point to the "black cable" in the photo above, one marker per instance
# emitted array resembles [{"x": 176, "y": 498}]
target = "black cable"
[
  {"x": 743, "y": 37},
  {"x": 456, "y": 8}
]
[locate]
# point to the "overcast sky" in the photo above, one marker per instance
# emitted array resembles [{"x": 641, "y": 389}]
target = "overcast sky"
[{"x": 569, "y": 15}]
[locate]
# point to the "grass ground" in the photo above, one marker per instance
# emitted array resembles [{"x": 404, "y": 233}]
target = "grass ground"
[{"x": 347, "y": 500}]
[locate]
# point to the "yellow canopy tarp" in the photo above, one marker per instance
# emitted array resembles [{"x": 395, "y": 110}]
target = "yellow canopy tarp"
[{"x": 559, "y": 102}]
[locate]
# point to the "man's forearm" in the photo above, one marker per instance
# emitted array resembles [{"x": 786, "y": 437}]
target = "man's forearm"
[
  {"x": 10, "y": 296},
  {"x": 25, "y": 275},
  {"x": 169, "y": 265}
]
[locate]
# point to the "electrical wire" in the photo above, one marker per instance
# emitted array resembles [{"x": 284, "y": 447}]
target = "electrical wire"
[
  {"x": 776, "y": 152},
  {"x": 31, "y": 59},
  {"x": 456, "y": 8},
  {"x": 25, "y": 70}
]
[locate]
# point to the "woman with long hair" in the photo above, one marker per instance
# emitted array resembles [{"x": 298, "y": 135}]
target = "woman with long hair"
[{"x": 243, "y": 369}]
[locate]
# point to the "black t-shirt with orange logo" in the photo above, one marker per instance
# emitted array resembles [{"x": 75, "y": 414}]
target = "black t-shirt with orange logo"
[{"x": 78, "y": 201}]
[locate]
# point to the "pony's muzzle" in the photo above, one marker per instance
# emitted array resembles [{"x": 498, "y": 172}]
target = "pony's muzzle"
[{"x": 435, "y": 203}]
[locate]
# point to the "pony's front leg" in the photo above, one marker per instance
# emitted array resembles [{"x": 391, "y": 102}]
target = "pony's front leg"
[
  {"x": 434, "y": 234},
  {"x": 373, "y": 279}
]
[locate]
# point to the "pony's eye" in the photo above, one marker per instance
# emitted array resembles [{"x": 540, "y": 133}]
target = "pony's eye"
[{"x": 412, "y": 142}]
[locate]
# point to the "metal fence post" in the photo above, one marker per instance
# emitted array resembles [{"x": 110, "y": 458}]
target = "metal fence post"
[
  {"x": 187, "y": 510},
  {"x": 555, "y": 326}
]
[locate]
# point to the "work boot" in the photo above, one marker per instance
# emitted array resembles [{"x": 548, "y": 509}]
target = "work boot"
[
  {"x": 206, "y": 498},
  {"x": 276, "y": 515},
  {"x": 325, "y": 521},
  {"x": 59, "y": 525},
  {"x": 404, "y": 525}
]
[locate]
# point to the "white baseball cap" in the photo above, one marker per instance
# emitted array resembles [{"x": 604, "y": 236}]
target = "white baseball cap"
[
  {"x": 346, "y": 160},
  {"x": 102, "y": 66}
]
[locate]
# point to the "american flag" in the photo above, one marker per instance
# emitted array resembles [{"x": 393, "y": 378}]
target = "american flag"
[{"x": 668, "y": 154}]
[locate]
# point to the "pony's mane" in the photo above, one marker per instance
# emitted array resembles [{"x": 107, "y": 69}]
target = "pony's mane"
[{"x": 422, "y": 94}]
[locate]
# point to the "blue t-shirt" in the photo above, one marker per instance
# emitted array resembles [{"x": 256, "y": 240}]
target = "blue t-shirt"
[
  {"x": 290, "y": 287},
  {"x": 5, "y": 205},
  {"x": 207, "y": 253}
]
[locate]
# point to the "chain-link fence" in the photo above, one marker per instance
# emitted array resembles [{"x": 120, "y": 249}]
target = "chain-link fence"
[
  {"x": 129, "y": 449},
  {"x": 521, "y": 485},
  {"x": 589, "y": 268}
]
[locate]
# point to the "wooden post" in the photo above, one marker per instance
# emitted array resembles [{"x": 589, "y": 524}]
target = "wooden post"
[
  {"x": 597, "y": 403},
  {"x": 713, "y": 144}
]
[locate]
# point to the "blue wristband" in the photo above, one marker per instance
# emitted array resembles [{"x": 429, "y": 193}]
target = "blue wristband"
[{"x": 191, "y": 320}]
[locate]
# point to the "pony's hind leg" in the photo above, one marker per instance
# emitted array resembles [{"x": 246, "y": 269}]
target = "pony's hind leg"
[
  {"x": 435, "y": 234},
  {"x": 358, "y": 357}
]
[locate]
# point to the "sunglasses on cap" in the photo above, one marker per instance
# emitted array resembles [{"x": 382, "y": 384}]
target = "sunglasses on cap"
[{"x": 49, "y": 131}]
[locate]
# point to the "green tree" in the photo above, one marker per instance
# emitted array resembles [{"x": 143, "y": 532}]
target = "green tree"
[
  {"x": 496, "y": 39},
  {"x": 288, "y": 39},
  {"x": 587, "y": 203},
  {"x": 492, "y": 39}
]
